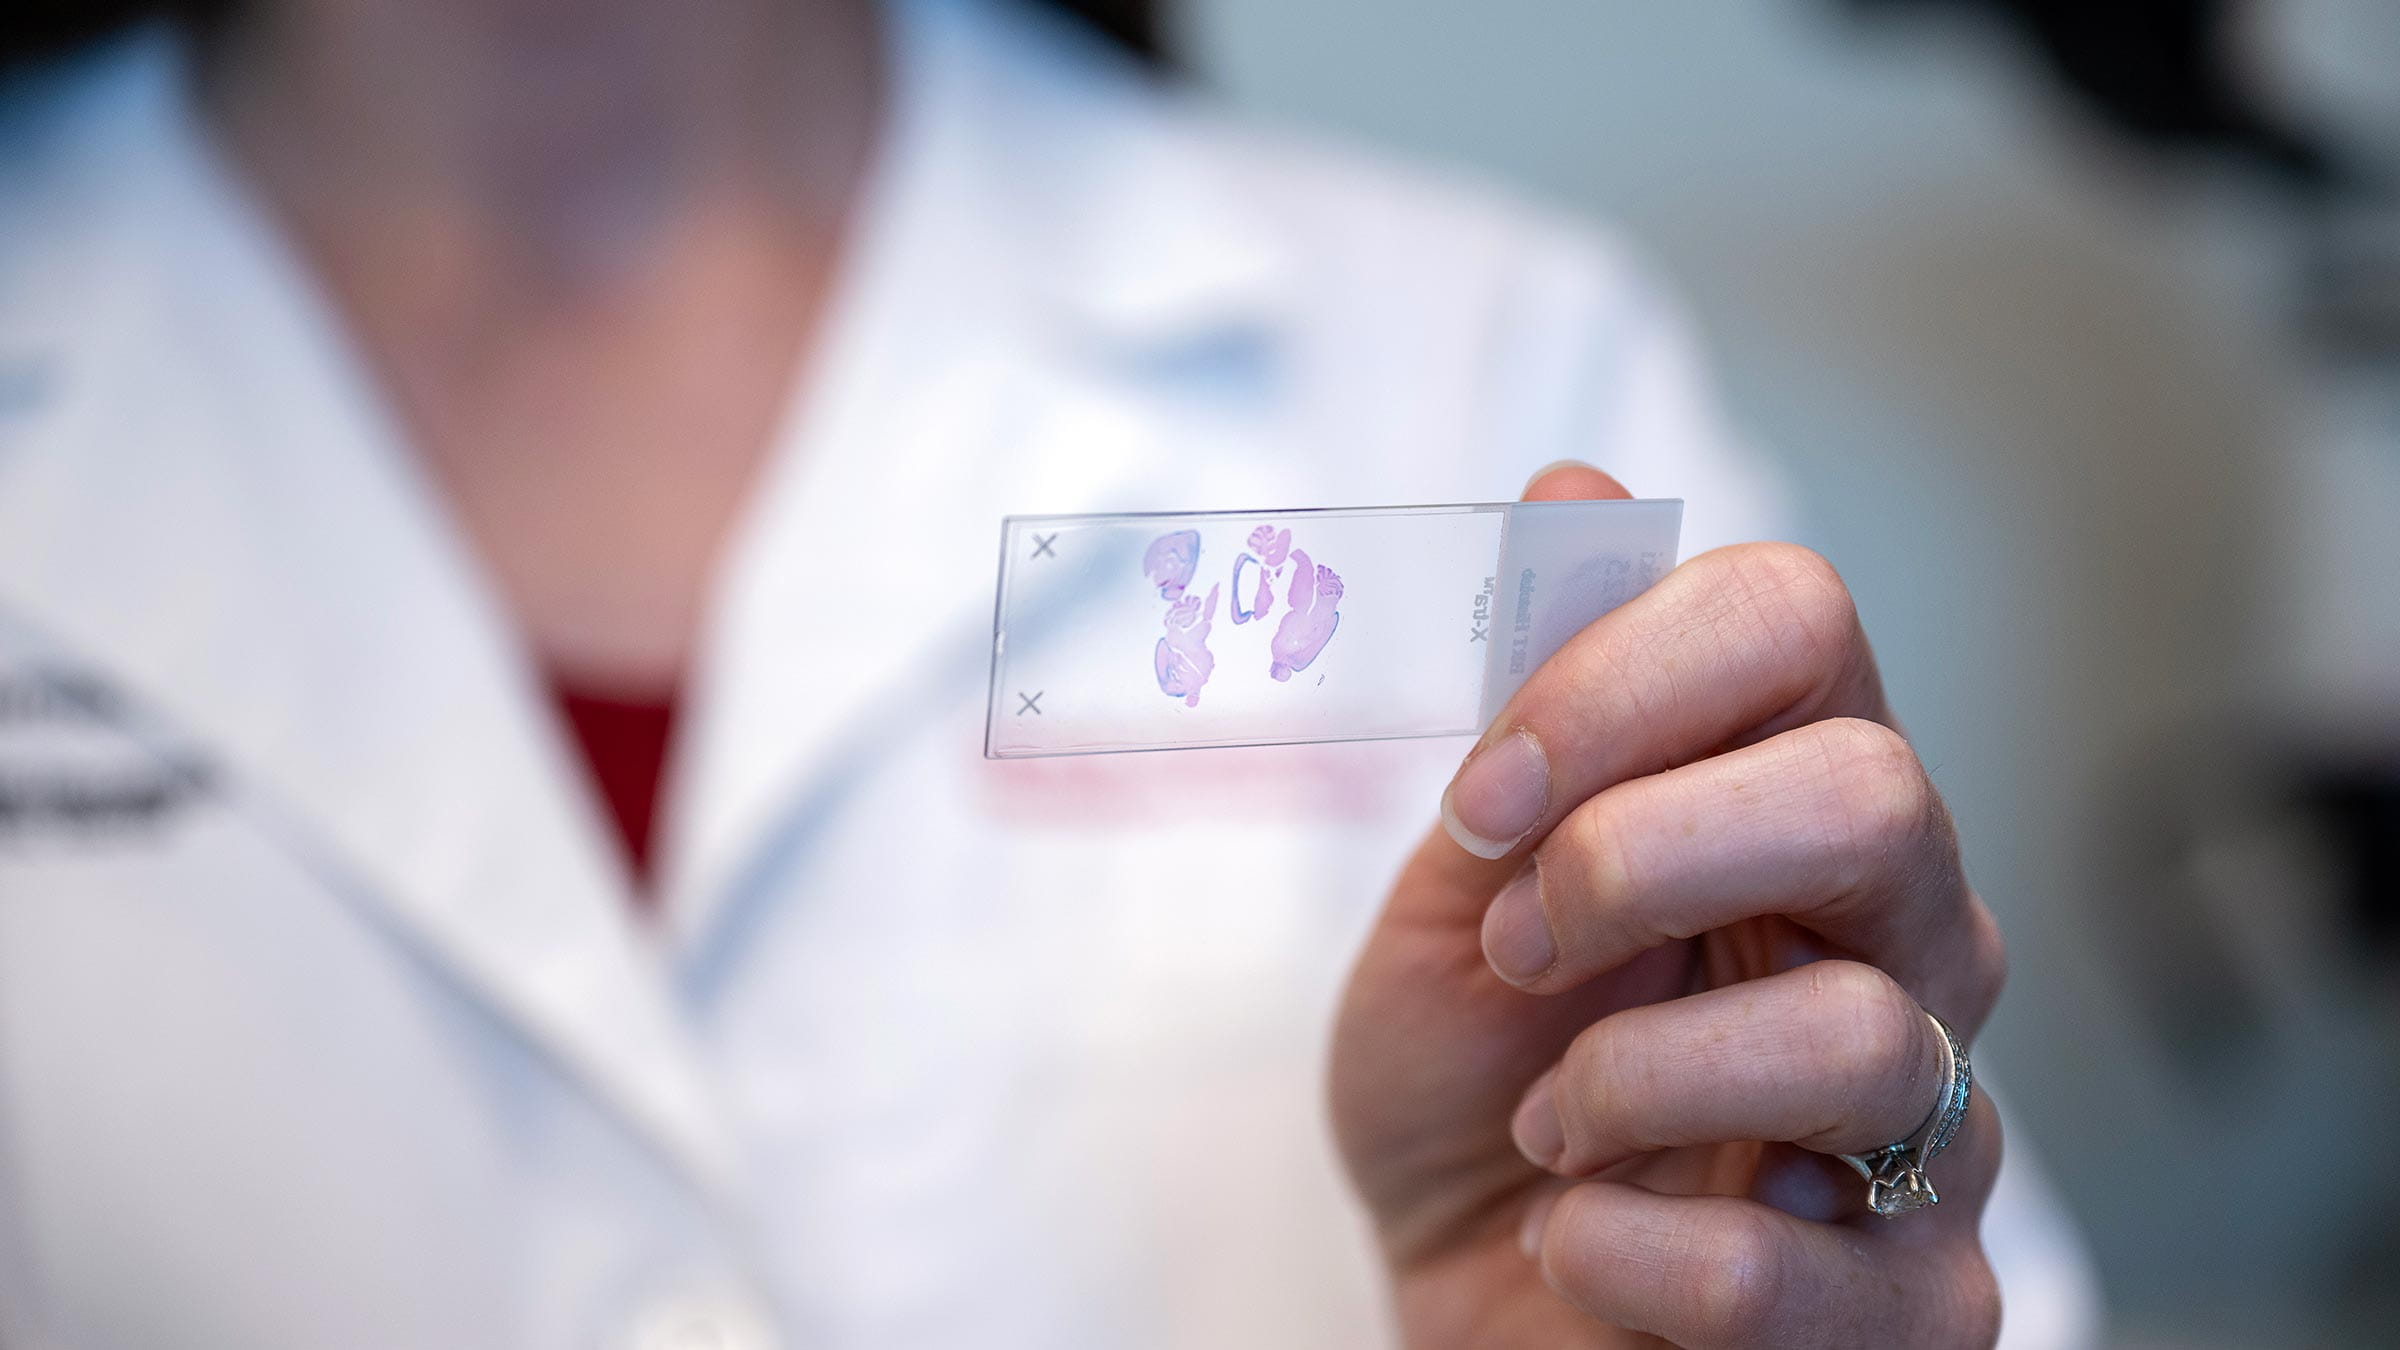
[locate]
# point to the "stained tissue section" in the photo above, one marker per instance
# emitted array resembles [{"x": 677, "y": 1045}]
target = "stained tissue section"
[
  {"x": 1170, "y": 562},
  {"x": 1268, "y": 549},
  {"x": 1183, "y": 659},
  {"x": 1308, "y": 625}
]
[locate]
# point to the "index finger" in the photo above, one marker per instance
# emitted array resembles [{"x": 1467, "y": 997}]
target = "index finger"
[
  {"x": 1732, "y": 647},
  {"x": 1572, "y": 480}
]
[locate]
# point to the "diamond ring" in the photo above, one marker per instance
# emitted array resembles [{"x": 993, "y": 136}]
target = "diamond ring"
[{"x": 1895, "y": 1173}]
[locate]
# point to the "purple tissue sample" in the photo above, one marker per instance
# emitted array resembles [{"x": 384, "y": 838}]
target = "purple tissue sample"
[
  {"x": 1171, "y": 561},
  {"x": 1183, "y": 659},
  {"x": 1310, "y": 623},
  {"x": 1257, "y": 608},
  {"x": 1271, "y": 547}
]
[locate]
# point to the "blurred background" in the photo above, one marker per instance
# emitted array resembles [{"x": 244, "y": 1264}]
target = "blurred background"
[{"x": 2078, "y": 329}]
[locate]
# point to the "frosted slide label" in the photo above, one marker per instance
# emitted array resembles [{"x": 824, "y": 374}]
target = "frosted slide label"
[{"x": 1158, "y": 631}]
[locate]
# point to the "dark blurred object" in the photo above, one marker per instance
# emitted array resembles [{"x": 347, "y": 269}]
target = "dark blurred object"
[
  {"x": 33, "y": 30},
  {"x": 2358, "y": 808},
  {"x": 2171, "y": 76},
  {"x": 2159, "y": 71},
  {"x": 2255, "y": 853},
  {"x": 1136, "y": 25}
]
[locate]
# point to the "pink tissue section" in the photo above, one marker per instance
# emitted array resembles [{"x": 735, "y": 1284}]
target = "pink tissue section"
[
  {"x": 1183, "y": 659},
  {"x": 1309, "y": 624},
  {"x": 1171, "y": 561},
  {"x": 1271, "y": 547},
  {"x": 1257, "y": 608}
]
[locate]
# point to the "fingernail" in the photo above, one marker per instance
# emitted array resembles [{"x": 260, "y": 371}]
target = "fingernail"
[
  {"x": 1536, "y": 1129},
  {"x": 1537, "y": 1218},
  {"x": 1498, "y": 796},
  {"x": 1516, "y": 931}
]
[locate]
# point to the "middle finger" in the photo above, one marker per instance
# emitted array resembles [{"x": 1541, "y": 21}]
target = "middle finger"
[{"x": 1834, "y": 825}]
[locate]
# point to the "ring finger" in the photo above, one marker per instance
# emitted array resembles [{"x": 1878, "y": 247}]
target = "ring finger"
[{"x": 1833, "y": 1056}]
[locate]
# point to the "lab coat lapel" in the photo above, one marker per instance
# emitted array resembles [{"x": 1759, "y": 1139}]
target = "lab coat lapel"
[
  {"x": 1045, "y": 248},
  {"x": 204, "y": 504}
]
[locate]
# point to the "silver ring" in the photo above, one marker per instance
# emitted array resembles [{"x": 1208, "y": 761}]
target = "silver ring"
[{"x": 1895, "y": 1173}]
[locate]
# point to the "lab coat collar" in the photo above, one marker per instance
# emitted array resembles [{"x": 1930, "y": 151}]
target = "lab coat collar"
[
  {"x": 1105, "y": 181},
  {"x": 1048, "y": 233},
  {"x": 201, "y": 499}
]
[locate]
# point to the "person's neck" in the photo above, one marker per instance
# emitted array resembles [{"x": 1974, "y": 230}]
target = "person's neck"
[
  {"x": 583, "y": 244},
  {"x": 557, "y": 140}
]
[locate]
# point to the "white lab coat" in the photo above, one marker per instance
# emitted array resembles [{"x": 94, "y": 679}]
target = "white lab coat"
[{"x": 325, "y": 1018}]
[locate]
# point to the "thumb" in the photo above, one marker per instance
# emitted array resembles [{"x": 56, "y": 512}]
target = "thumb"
[{"x": 1450, "y": 881}]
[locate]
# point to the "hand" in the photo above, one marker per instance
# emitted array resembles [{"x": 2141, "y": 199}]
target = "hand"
[{"x": 1666, "y": 958}]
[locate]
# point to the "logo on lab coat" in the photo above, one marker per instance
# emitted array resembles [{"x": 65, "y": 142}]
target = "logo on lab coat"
[{"x": 69, "y": 764}]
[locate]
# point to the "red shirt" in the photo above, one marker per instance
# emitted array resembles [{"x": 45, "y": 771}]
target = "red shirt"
[{"x": 624, "y": 743}]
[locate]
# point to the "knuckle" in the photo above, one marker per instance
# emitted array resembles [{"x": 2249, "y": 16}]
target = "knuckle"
[
  {"x": 1582, "y": 849},
  {"x": 1741, "y": 1276},
  {"x": 1801, "y": 586},
  {"x": 1588, "y": 874},
  {"x": 1974, "y": 1158},
  {"x": 1568, "y": 1266},
  {"x": 1595, "y": 1077},
  {"x": 1987, "y": 953},
  {"x": 1973, "y": 1320},
  {"x": 1868, "y": 749},
  {"x": 1871, "y": 1028},
  {"x": 1881, "y": 794}
]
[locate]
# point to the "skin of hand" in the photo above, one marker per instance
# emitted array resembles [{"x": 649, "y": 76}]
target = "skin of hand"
[{"x": 1665, "y": 956}]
